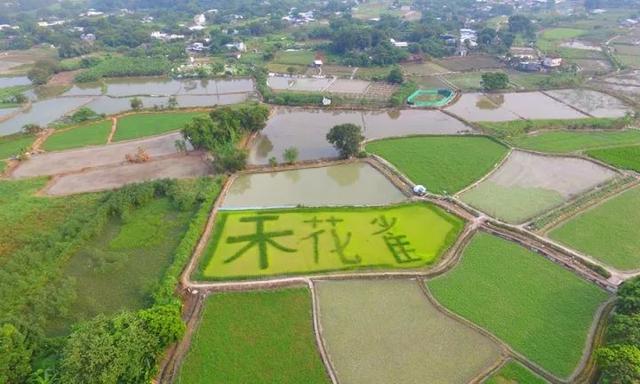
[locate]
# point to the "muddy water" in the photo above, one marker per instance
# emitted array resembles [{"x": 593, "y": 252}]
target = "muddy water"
[
  {"x": 42, "y": 113},
  {"x": 280, "y": 83},
  {"x": 407, "y": 122},
  {"x": 155, "y": 86},
  {"x": 595, "y": 103},
  {"x": 478, "y": 107},
  {"x": 337, "y": 185},
  {"x": 112, "y": 105},
  {"x": 535, "y": 105},
  {"x": 511, "y": 106},
  {"x": 4, "y": 112},
  {"x": 14, "y": 81},
  {"x": 306, "y": 129}
]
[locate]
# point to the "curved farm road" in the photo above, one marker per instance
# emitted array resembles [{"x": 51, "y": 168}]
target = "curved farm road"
[{"x": 195, "y": 292}]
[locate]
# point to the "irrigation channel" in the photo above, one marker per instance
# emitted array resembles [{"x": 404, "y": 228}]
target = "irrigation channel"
[{"x": 195, "y": 293}]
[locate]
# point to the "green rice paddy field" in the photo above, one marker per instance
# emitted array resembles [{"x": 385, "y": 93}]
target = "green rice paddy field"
[
  {"x": 572, "y": 141},
  {"x": 255, "y": 337},
  {"x": 148, "y": 124},
  {"x": 620, "y": 157},
  {"x": 13, "y": 145},
  {"x": 540, "y": 309},
  {"x": 441, "y": 163},
  {"x": 514, "y": 373},
  {"x": 288, "y": 241},
  {"x": 608, "y": 232},
  {"x": 387, "y": 331},
  {"x": 90, "y": 134}
]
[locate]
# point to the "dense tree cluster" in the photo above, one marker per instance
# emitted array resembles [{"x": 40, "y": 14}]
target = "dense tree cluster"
[
  {"x": 347, "y": 139},
  {"x": 619, "y": 360},
  {"x": 492, "y": 81},
  {"x": 220, "y": 131}
]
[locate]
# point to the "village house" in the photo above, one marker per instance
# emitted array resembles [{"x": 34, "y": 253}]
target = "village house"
[{"x": 552, "y": 61}]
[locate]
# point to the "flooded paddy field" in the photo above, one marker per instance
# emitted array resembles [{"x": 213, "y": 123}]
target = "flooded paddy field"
[
  {"x": 312, "y": 84},
  {"x": 12, "y": 81},
  {"x": 306, "y": 129},
  {"x": 42, "y": 113},
  {"x": 626, "y": 84},
  {"x": 387, "y": 331},
  {"x": 154, "y": 86},
  {"x": 527, "y": 185},
  {"x": 101, "y": 179},
  {"x": 511, "y": 106},
  {"x": 54, "y": 163},
  {"x": 335, "y": 185},
  {"x": 594, "y": 103},
  {"x": 88, "y": 89}
]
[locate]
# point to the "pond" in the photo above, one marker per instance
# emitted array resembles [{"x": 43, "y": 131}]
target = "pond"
[
  {"x": 306, "y": 130},
  {"x": 42, "y": 113},
  {"x": 337, "y": 185},
  {"x": 88, "y": 89}
]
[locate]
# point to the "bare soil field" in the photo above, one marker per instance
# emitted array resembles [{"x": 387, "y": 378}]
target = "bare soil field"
[
  {"x": 178, "y": 167},
  {"x": 469, "y": 63},
  {"x": 348, "y": 86},
  {"x": 73, "y": 161}
]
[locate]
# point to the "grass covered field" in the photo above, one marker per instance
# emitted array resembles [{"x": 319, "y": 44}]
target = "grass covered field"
[
  {"x": 387, "y": 331},
  {"x": 134, "y": 252},
  {"x": 444, "y": 163},
  {"x": 302, "y": 58},
  {"x": 255, "y": 337},
  {"x": 302, "y": 241},
  {"x": 539, "y": 308},
  {"x": 149, "y": 124},
  {"x": 91, "y": 134},
  {"x": 574, "y": 141},
  {"x": 608, "y": 232},
  {"x": 13, "y": 145},
  {"x": 620, "y": 157},
  {"x": 514, "y": 373}
]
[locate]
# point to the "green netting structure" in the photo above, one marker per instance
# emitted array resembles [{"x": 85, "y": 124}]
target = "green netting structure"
[{"x": 434, "y": 98}]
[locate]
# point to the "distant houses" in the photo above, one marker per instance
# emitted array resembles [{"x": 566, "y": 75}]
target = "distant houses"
[{"x": 528, "y": 59}]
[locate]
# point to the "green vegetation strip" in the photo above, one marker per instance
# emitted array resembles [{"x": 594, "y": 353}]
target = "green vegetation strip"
[
  {"x": 573, "y": 141},
  {"x": 608, "y": 232},
  {"x": 442, "y": 164},
  {"x": 387, "y": 331},
  {"x": 301, "y": 241},
  {"x": 14, "y": 145},
  {"x": 514, "y": 129},
  {"x": 255, "y": 337},
  {"x": 621, "y": 157},
  {"x": 90, "y": 134},
  {"x": 515, "y": 373},
  {"x": 149, "y": 124},
  {"x": 540, "y": 309}
]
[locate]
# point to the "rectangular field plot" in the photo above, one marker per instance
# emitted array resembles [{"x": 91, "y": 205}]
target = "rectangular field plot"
[
  {"x": 540, "y": 309},
  {"x": 608, "y": 232},
  {"x": 336, "y": 185},
  {"x": 621, "y": 157},
  {"x": 303, "y": 241},
  {"x": 89, "y": 134},
  {"x": 527, "y": 185},
  {"x": 594, "y": 103},
  {"x": 441, "y": 164},
  {"x": 149, "y": 124},
  {"x": 306, "y": 130},
  {"x": 255, "y": 337},
  {"x": 514, "y": 373},
  {"x": 574, "y": 141},
  {"x": 481, "y": 107},
  {"x": 385, "y": 331},
  {"x": 99, "y": 156}
]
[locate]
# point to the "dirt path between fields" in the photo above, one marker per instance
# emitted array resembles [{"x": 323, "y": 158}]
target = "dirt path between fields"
[{"x": 114, "y": 126}]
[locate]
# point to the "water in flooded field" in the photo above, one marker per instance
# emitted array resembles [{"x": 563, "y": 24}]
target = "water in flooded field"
[
  {"x": 306, "y": 129},
  {"x": 42, "y": 113},
  {"x": 337, "y": 185},
  {"x": 88, "y": 89},
  {"x": 13, "y": 81},
  {"x": 594, "y": 103},
  {"x": 154, "y": 86}
]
